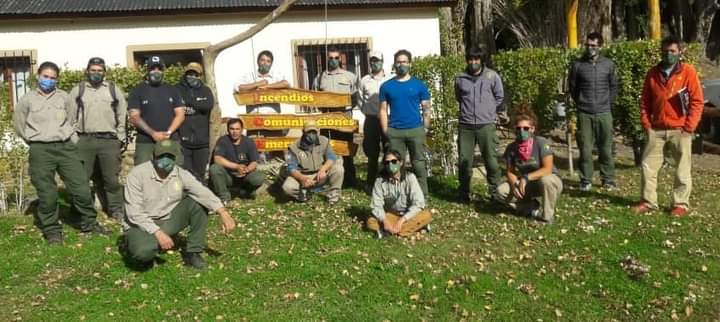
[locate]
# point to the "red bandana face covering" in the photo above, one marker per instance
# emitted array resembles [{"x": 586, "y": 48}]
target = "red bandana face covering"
[{"x": 525, "y": 149}]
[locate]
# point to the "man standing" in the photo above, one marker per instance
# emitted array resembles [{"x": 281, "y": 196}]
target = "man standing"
[
  {"x": 263, "y": 78},
  {"x": 195, "y": 130},
  {"x": 101, "y": 117},
  {"x": 593, "y": 87},
  {"x": 312, "y": 165},
  {"x": 479, "y": 92},
  {"x": 338, "y": 80},
  {"x": 373, "y": 138},
  {"x": 235, "y": 163},
  {"x": 45, "y": 119},
  {"x": 670, "y": 109},
  {"x": 402, "y": 98},
  {"x": 156, "y": 109},
  {"x": 160, "y": 201}
]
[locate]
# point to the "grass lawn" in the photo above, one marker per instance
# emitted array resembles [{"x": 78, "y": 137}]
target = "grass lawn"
[{"x": 292, "y": 262}]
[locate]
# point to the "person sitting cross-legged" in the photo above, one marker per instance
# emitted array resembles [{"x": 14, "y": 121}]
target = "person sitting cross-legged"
[
  {"x": 312, "y": 165},
  {"x": 235, "y": 163},
  {"x": 533, "y": 186},
  {"x": 397, "y": 200},
  {"x": 161, "y": 199}
]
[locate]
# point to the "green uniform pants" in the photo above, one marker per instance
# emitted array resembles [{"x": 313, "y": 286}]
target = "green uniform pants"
[
  {"x": 412, "y": 140},
  {"x": 46, "y": 159},
  {"x": 484, "y": 136},
  {"x": 103, "y": 155},
  {"x": 596, "y": 130},
  {"x": 143, "y": 246},
  {"x": 222, "y": 180},
  {"x": 144, "y": 153},
  {"x": 373, "y": 142}
]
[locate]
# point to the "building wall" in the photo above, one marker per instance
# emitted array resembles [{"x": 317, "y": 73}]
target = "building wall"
[{"x": 71, "y": 42}]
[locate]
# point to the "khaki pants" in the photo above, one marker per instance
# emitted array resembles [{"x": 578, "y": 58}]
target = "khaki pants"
[
  {"x": 334, "y": 182},
  {"x": 410, "y": 227},
  {"x": 547, "y": 189},
  {"x": 652, "y": 159}
]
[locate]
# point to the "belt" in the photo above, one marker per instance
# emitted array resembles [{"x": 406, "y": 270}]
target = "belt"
[
  {"x": 51, "y": 142},
  {"x": 100, "y": 135}
]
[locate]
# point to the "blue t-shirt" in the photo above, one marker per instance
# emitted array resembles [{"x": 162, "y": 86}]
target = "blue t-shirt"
[{"x": 404, "y": 99}]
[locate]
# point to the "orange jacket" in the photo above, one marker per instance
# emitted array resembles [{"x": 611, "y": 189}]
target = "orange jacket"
[{"x": 660, "y": 104}]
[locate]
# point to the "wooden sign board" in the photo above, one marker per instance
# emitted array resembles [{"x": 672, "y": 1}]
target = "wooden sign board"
[
  {"x": 342, "y": 148},
  {"x": 294, "y": 96},
  {"x": 331, "y": 121}
]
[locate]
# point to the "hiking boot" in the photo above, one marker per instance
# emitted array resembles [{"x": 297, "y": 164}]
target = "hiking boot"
[
  {"x": 333, "y": 197},
  {"x": 643, "y": 207},
  {"x": 54, "y": 239},
  {"x": 585, "y": 186},
  {"x": 97, "y": 229},
  {"x": 679, "y": 211},
  {"x": 194, "y": 260}
]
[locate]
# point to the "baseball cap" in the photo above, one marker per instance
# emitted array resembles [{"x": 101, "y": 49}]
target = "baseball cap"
[
  {"x": 310, "y": 125},
  {"x": 96, "y": 61},
  {"x": 155, "y": 61},
  {"x": 194, "y": 66},
  {"x": 377, "y": 54},
  {"x": 167, "y": 147}
]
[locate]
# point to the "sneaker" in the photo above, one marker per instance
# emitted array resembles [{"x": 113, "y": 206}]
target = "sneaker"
[
  {"x": 97, "y": 229},
  {"x": 333, "y": 198},
  {"x": 587, "y": 186},
  {"x": 54, "y": 239},
  {"x": 194, "y": 260},
  {"x": 679, "y": 211},
  {"x": 610, "y": 186},
  {"x": 643, "y": 207}
]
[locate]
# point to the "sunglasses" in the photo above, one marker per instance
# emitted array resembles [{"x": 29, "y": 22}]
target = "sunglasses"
[
  {"x": 393, "y": 161},
  {"x": 334, "y": 57},
  {"x": 522, "y": 128}
]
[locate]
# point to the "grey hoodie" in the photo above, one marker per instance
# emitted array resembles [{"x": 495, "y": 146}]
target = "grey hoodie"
[{"x": 480, "y": 97}]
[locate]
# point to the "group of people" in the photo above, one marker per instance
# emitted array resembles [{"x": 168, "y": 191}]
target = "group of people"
[{"x": 80, "y": 136}]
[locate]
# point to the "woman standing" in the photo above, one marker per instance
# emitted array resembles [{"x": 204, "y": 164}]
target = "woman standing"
[
  {"x": 45, "y": 119},
  {"x": 397, "y": 200},
  {"x": 533, "y": 186}
]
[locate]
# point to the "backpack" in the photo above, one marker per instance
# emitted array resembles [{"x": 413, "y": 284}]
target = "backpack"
[{"x": 114, "y": 105}]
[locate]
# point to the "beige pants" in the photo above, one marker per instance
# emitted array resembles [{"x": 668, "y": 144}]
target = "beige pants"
[
  {"x": 333, "y": 182},
  {"x": 679, "y": 145},
  {"x": 547, "y": 189},
  {"x": 410, "y": 227}
]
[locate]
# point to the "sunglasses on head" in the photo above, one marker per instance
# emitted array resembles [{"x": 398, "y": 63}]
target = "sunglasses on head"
[
  {"x": 523, "y": 128},
  {"x": 393, "y": 161}
]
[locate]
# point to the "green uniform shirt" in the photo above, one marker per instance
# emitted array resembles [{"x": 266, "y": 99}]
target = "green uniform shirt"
[
  {"x": 98, "y": 114},
  {"x": 149, "y": 198},
  {"x": 404, "y": 197},
  {"x": 40, "y": 118}
]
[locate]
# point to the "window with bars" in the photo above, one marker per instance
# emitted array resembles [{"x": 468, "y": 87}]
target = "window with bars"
[{"x": 15, "y": 72}]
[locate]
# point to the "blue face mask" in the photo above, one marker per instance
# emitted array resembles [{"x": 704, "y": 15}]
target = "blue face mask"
[
  {"x": 402, "y": 69},
  {"x": 165, "y": 163},
  {"x": 47, "y": 85}
]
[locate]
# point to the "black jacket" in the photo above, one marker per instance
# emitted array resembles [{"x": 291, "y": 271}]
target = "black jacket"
[
  {"x": 195, "y": 131},
  {"x": 593, "y": 85}
]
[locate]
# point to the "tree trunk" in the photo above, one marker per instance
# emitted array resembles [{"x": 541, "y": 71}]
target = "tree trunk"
[
  {"x": 483, "y": 33},
  {"x": 451, "y": 29},
  {"x": 595, "y": 16},
  {"x": 211, "y": 53},
  {"x": 703, "y": 12},
  {"x": 618, "y": 14}
]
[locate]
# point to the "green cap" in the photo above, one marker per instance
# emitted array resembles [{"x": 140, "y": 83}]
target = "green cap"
[{"x": 167, "y": 147}]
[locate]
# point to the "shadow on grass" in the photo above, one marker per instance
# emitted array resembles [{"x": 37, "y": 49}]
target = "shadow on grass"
[
  {"x": 572, "y": 190},
  {"x": 443, "y": 188},
  {"x": 561, "y": 162}
]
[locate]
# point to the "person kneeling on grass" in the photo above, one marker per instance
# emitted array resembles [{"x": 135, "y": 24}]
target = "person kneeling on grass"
[
  {"x": 161, "y": 199},
  {"x": 532, "y": 186},
  {"x": 397, "y": 200}
]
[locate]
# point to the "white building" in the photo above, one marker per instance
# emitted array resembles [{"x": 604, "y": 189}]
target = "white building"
[{"x": 125, "y": 32}]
